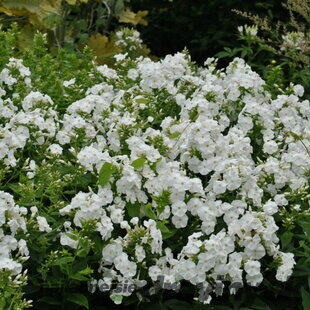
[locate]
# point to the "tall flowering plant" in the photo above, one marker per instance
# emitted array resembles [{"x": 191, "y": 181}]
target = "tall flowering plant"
[{"x": 149, "y": 171}]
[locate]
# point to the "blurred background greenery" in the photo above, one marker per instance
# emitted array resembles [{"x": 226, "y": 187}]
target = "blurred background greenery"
[{"x": 205, "y": 27}]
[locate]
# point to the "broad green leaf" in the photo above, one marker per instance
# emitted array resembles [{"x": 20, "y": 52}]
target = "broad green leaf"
[
  {"x": 286, "y": 238},
  {"x": 63, "y": 260},
  {"x": 306, "y": 226},
  {"x": 222, "y": 54},
  {"x": 105, "y": 174},
  {"x": 149, "y": 212},
  {"x": 35, "y": 10},
  {"x": 119, "y": 7},
  {"x": 133, "y": 209},
  {"x": 84, "y": 248},
  {"x": 78, "y": 299},
  {"x": 102, "y": 47},
  {"x": 139, "y": 162},
  {"x": 80, "y": 275},
  {"x": 130, "y": 17},
  {"x": 50, "y": 300},
  {"x": 165, "y": 231},
  {"x": 305, "y": 299},
  {"x": 162, "y": 227}
]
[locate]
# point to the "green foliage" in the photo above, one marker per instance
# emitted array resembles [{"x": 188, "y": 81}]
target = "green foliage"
[
  {"x": 11, "y": 291},
  {"x": 279, "y": 51},
  {"x": 105, "y": 173},
  {"x": 204, "y": 27},
  {"x": 71, "y": 24}
]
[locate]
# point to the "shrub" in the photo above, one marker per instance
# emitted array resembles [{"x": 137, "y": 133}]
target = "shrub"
[
  {"x": 72, "y": 24},
  {"x": 194, "y": 176},
  {"x": 204, "y": 27},
  {"x": 279, "y": 51}
]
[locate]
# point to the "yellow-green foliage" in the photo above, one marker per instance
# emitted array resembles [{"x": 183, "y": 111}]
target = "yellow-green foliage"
[{"x": 71, "y": 23}]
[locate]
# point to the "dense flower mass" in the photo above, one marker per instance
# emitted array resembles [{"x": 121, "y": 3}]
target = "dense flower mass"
[{"x": 185, "y": 170}]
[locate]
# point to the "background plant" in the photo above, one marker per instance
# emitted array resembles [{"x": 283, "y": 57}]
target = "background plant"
[
  {"x": 279, "y": 50},
  {"x": 72, "y": 24}
]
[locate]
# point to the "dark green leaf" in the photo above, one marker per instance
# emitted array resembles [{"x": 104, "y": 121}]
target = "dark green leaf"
[
  {"x": 305, "y": 299},
  {"x": 306, "y": 226},
  {"x": 149, "y": 212},
  {"x": 165, "y": 231},
  {"x": 50, "y": 300},
  {"x": 133, "y": 209},
  {"x": 78, "y": 299},
  {"x": 63, "y": 260},
  {"x": 286, "y": 239}
]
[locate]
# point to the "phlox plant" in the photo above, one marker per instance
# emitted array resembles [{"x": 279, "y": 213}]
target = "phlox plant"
[
  {"x": 198, "y": 176},
  {"x": 278, "y": 50}
]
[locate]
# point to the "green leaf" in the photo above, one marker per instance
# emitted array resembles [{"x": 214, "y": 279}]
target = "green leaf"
[
  {"x": 141, "y": 100},
  {"x": 63, "y": 260},
  {"x": 14, "y": 187},
  {"x": 174, "y": 135},
  {"x": 259, "y": 305},
  {"x": 149, "y": 212},
  {"x": 139, "y": 162},
  {"x": 306, "y": 226},
  {"x": 222, "y": 55},
  {"x": 78, "y": 299},
  {"x": 105, "y": 174},
  {"x": 286, "y": 238},
  {"x": 244, "y": 53},
  {"x": 50, "y": 300},
  {"x": 305, "y": 299},
  {"x": 165, "y": 231},
  {"x": 162, "y": 227},
  {"x": 79, "y": 277},
  {"x": 133, "y": 209},
  {"x": 84, "y": 248},
  {"x": 119, "y": 7},
  {"x": 2, "y": 304}
]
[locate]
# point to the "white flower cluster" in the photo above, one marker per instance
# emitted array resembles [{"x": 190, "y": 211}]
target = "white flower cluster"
[
  {"x": 30, "y": 119},
  {"x": 14, "y": 250},
  {"x": 248, "y": 30},
  {"x": 295, "y": 40},
  {"x": 204, "y": 154},
  {"x": 128, "y": 39}
]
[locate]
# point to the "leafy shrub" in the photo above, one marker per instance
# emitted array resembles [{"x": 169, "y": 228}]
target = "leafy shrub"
[
  {"x": 120, "y": 176},
  {"x": 280, "y": 51},
  {"x": 203, "y": 27},
  {"x": 72, "y": 24}
]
